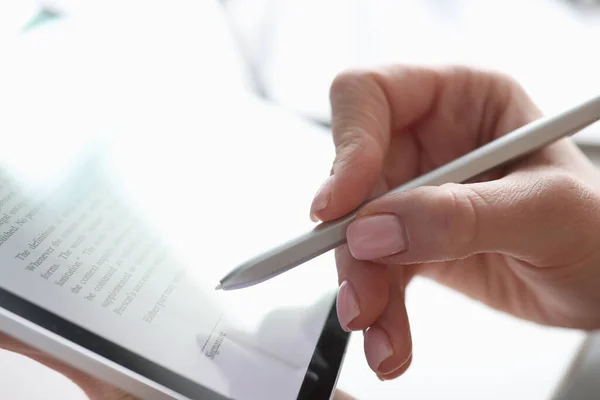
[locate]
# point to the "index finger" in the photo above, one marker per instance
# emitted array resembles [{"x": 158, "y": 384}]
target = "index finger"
[{"x": 367, "y": 107}]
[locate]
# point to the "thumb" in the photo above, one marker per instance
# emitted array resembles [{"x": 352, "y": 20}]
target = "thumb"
[{"x": 533, "y": 216}]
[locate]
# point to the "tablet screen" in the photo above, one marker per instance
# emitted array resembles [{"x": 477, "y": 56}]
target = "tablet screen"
[{"x": 124, "y": 246}]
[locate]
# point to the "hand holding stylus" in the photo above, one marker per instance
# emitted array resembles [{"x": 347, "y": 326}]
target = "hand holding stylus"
[{"x": 524, "y": 240}]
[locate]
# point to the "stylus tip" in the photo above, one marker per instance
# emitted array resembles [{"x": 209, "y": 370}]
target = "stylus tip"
[{"x": 219, "y": 287}]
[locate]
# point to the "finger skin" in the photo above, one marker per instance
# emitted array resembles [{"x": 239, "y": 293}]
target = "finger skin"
[
  {"x": 453, "y": 109},
  {"x": 397, "y": 373},
  {"x": 535, "y": 215},
  {"x": 341, "y": 395},
  {"x": 370, "y": 283},
  {"x": 362, "y": 120},
  {"x": 395, "y": 123},
  {"x": 394, "y": 322},
  {"x": 93, "y": 388}
]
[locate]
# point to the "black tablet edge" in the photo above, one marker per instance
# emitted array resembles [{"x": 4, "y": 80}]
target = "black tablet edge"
[
  {"x": 326, "y": 362},
  {"x": 318, "y": 384}
]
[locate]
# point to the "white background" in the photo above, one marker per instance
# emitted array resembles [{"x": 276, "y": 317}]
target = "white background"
[{"x": 462, "y": 350}]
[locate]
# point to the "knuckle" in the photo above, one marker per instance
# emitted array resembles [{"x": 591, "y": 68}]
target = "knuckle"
[
  {"x": 555, "y": 197},
  {"x": 567, "y": 194},
  {"x": 345, "y": 81},
  {"x": 551, "y": 189},
  {"x": 455, "y": 216},
  {"x": 357, "y": 151},
  {"x": 563, "y": 182},
  {"x": 357, "y": 90},
  {"x": 353, "y": 143},
  {"x": 506, "y": 79},
  {"x": 489, "y": 73},
  {"x": 359, "y": 107}
]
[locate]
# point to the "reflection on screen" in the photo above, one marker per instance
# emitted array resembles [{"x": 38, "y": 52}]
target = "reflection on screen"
[{"x": 139, "y": 269}]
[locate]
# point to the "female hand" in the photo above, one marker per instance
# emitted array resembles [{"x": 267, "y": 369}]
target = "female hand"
[
  {"x": 524, "y": 240},
  {"x": 92, "y": 387}
]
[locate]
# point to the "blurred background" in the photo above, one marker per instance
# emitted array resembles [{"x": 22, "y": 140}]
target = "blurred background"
[
  {"x": 70, "y": 67},
  {"x": 291, "y": 50},
  {"x": 296, "y": 47}
]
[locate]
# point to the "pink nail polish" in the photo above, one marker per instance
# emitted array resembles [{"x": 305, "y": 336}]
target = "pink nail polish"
[
  {"x": 347, "y": 305},
  {"x": 321, "y": 200},
  {"x": 378, "y": 347},
  {"x": 374, "y": 237},
  {"x": 394, "y": 369}
]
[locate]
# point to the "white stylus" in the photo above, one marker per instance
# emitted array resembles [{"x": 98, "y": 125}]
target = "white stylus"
[{"x": 329, "y": 235}]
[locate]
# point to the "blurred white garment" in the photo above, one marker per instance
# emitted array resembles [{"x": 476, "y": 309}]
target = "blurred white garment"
[{"x": 548, "y": 45}]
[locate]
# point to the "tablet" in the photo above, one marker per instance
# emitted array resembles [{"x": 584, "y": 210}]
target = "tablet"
[{"x": 111, "y": 248}]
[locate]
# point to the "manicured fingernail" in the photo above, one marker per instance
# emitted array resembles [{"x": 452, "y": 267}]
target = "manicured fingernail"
[
  {"x": 370, "y": 238},
  {"x": 384, "y": 374},
  {"x": 378, "y": 347},
  {"x": 321, "y": 200},
  {"x": 347, "y": 305}
]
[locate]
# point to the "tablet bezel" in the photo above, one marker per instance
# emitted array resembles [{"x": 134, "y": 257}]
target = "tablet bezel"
[{"x": 139, "y": 376}]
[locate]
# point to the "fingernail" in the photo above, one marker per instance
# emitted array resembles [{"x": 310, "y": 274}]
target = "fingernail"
[
  {"x": 347, "y": 305},
  {"x": 321, "y": 200},
  {"x": 378, "y": 347},
  {"x": 383, "y": 374},
  {"x": 370, "y": 238}
]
